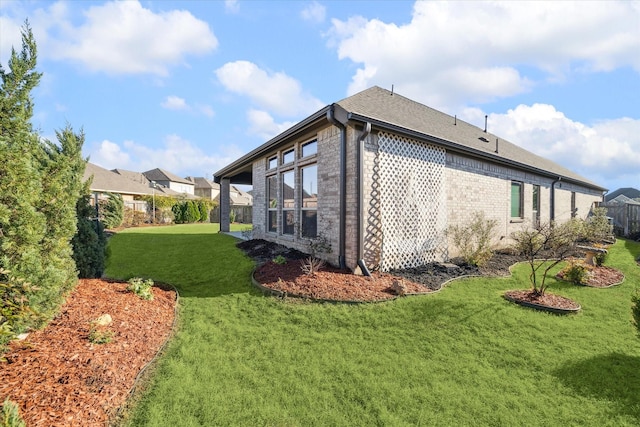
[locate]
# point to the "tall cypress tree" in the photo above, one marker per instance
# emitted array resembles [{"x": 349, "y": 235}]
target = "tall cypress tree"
[
  {"x": 22, "y": 226},
  {"x": 40, "y": 182}
]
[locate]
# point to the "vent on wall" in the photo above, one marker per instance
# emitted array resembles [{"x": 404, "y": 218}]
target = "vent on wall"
[{"x": 483, "y": 139}]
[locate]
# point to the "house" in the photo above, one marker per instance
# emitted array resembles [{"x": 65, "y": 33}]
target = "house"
[
  {"x": 171, "y": 181},
  {"x": 240, "y": 201},
  {"x": 629, "y": 192},
  {"x": 379, "y": 178},
  {"x": 105, "y": 181}
]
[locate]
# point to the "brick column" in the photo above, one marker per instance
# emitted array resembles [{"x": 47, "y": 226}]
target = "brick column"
[{"x": 225, "y": 207}]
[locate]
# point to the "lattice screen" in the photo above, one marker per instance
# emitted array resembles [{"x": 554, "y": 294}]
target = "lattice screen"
[{"x": 413, "y": 202}]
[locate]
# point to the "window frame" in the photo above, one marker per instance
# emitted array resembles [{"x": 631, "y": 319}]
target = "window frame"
[
  {"x": 277, "y": 169},
  {"x": 272, "y": 209},
  {"x": 520, "y": 207},
  {"x": 305, "y": 209}
]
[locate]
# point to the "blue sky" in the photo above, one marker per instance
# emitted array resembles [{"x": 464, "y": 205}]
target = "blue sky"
[{"x": 190, "y": 86}]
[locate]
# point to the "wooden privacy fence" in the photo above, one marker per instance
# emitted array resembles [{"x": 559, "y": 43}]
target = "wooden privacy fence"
[{"x": 625, "y": 217}]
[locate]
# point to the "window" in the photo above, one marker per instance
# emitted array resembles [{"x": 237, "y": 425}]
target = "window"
[
  {"x": 516, "y": 199},
  {"x": 309, "y": 148},
  {"x": 288, "y": 156},
  {"x": 288, "y": 194},
  {"x": 309, "y": 197},
  {"x": 574, "y": 210},
  {"x": 272, "y": 207},
  {"x": 536, "y": 204},
  {"x": 273, "y": 162}
]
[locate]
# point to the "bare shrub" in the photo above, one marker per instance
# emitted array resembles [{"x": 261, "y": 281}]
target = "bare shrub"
[
  {"x": 311, "y": 265},
  {"x": 545, "y": 247},
  {"x": 474, "y": 239}
]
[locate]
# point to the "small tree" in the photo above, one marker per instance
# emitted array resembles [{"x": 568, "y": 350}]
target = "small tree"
[
  {"x": 89, "y": 242},
  {"x": 474, "y": 239},
  {"x": 597, "y": 227},
  {"x": 112, "y": 211},
  {"x": 545, "y": 247}
]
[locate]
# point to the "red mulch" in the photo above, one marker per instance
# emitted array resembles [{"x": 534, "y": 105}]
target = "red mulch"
[
  {"x": 548, "y": 300},
  {"x": 602, "y": 277},
  {"x": 331, "y": 284},
  {"x": 59, "y": 378}
]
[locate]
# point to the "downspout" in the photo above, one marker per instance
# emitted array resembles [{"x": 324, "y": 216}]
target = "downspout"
[
  {"x": 343, "y": 185},
  {"x": 360, "y": 174},
  {"x": 552, "y": 216}
]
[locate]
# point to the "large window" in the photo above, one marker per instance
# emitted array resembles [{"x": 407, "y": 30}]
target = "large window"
[
  {"x": 288, "y": 197},
  {"x": 309, "y": 197},
  {"x": 272, "y": 207},
  {"x": 309, "y": 148},
  {"x": 288, "y": 156},
  {"x": 536, "y": 204},
  {"x": 292, "y": 191},
  {"x": 516, "y": 199}
]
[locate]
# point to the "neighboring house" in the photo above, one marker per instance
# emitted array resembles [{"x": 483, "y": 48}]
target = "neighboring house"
[
  {"x": 106, "y": 181},
  {"x": 240, "y": 201},
  {"x": 628, "y": 192},
  {"x": 380, "y": 177},
  {"x": 169, "y": 180}
]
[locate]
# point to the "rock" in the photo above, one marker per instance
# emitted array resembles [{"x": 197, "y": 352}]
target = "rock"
[
  {"x": 399, "y": 288},
  {"x": 104, "y": 320}
]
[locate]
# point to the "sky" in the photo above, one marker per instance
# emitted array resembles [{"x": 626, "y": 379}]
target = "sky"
[{"x": 190, "y": 86}]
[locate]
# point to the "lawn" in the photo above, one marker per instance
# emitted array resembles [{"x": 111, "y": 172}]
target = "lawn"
[{"x": 463, "y": 356}]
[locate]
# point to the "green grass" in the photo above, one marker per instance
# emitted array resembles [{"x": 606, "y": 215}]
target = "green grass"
[{"x": 463, "y": 356}]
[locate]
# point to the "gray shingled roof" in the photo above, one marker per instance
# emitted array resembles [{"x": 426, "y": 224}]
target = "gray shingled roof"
[
  {"x": 105, "y": 180},
  {"x": 389, "y": 111},
  {"x": 124, "y": 182},
  {"x": 134, "y": 176},
  {"x": 390, "y": 108},
  {"x": 158, "y": 174},
  {"x": 629, "y": 192}
]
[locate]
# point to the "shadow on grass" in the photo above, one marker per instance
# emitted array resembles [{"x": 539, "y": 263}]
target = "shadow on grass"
[
  {"x": 198, "y": 265},
  {"x": 632, "y": 246},
  {"x": 615, "y": 377}
]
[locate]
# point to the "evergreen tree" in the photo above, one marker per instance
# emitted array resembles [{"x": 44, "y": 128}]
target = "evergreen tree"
[
  {"x": 203, "y": 207},
  {"x": 22, "y": 226},
  {"x": 40, "y": 183},
  {"x": 112, "y": 211},
  {"x": 89, "y": 242}
]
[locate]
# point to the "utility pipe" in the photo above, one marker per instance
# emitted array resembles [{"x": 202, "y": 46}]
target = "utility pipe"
[
  {"x": 360, "y": 173},
  {"x": 331, "y": 117}
]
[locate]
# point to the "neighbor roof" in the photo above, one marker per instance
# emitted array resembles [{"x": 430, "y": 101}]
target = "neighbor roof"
[
  {"x": 386, "y": 110},
  {"x": 105, "y": 180},
  {"x": 629, "y": 192},
  {"x": 158, "y": 174}
]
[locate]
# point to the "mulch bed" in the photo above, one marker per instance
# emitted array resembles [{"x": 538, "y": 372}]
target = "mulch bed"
[
  {"x": 59, "y": 378},
  {"x": 547, "y": 300},
  {"x": 331, "y": 284},
  {"x": 601, "y": 277}
]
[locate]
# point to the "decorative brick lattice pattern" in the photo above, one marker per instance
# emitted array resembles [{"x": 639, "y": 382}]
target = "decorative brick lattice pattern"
[{"x": 413, "y": 202}]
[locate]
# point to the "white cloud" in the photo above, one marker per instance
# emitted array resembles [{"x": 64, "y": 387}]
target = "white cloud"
[
  {"x": 607, "y": 149},
  {"x": 232, "y": 6},
  {"x": 174, "y": 103},
  {"x": 125, "y": 38},
  {"x": 453, "y": 53},
  {"x": 180, "y": 104},
  {"x": 276, "y": 92},
  {"x": 262, "y": 124},
  {"x": 10, "y": 36},
  {"x": 314, "y": 12},
  {"x": 176, "y": 155}
]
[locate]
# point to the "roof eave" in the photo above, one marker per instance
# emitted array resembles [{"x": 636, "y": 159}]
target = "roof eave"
[
  {"x": 238, "y": 167},
  {"x": 467, "y": 150}
]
